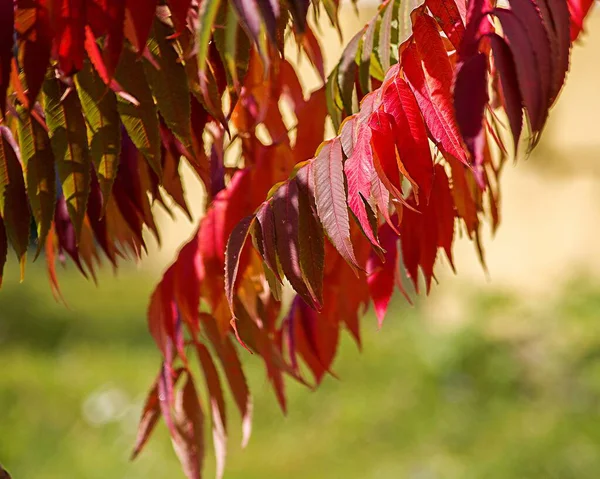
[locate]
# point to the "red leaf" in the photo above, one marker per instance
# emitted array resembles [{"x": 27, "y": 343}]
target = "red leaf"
[
  {"x": 179, "y": 11},
  {"x": 234, "y": 373},
  {"x": 266, "y": 221},
  {"x": 235, "y": 245},
  {"x": 313, "y": 51},
  {"x": 359, "y": 172},
  {"x": 150, "y": 416},
  {"x": 382, "y": 274},
  {"x": 528, "y": 74},
  {"x": 189, "y": 441},
  {"x": 113, "y": 44},
  {"x": 36, "y": 53},
  {"x": 139, "y": 15},
  {"x": 430, "y": 82},
  {"x": 162, "y": 313},
  {"x": 470, "y": 100},
  {"x": 70, "y": 35},
  {"x": 559, "y": 25},
  {"x": 310, "y": 236},
  {"x": 383, "y": 139},
  {"x": 511, "y": 94},
  {"x": 411, "y": 138},
  {"x": 217, "y": 405},
  {"x": 441, "y": 200},
  {"x": 7, "y": 18},
  {"x": 448, "y": 16},
  {"x": 330, "y": 197},
  {"x": 286, "y": 214},
  {"x": 531, "y": 23},
  {"x": 578, "y": 10}
]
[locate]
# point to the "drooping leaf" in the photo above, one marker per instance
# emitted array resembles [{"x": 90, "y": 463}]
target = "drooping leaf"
[
  {"x": 559, "y": 13},
  {"x": 448, "y": 16},
  {"x": 217, "y": 405},
  {"x": 69, "y": 143},
  {"x": 113, "y": 42},
  {"x": 14, "y": 207},
  {"x": 428, "y": 71},
  {"x": 382, "y": 274},
  {"x": 148, "y": 421},
  {"x": 359, "y": 172},
  {"x": 511, "y": 94},
  {"x": 330, "y": 198},
  {"x": 207, "y": 16},
  {"x": 141, "y": 120},
  {"x": 179, "y": 12},
  {"x": 527, "y": 13},
  {"x": 139, "y": 15},
  {"x": 189, "y": 423},
  {"x": 411, "y": 135},
  {"x": 299, "y": 9},
  {"x": 528, "y": 74},
  {"x": 40, "y": 177},
  {"x": 286, "y": 214},
  {"x": 99, "y": 107},
  {"x": 7, "y": 20},
  {"x": 235, "y": 245},
  {"x": 310, "y": 236},
  {"x": 168, "y": 81},
  {"x": 36, "y": 43},
  {"x": 470, "y": 100}
]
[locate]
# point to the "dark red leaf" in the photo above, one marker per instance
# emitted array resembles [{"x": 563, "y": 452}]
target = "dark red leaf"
[
  {"x": 7, "y": 18},
  {"x": 286, "y": 214},
  {"x": 470, "y": 100},
  {"x": 299, "y": 10},
  {"x": 382, "y": 274},
  {"x": 235, "y": 245},
  {"x": 559, "y": 12},
  {"x": 36, "y": 53},
  {"x": 149, "y": 419},
  {"x": 70, "y": 35},
  {"x": 310, "y": 237},
  {"x": 217, "y": 405},
  {"x": 189, "y": 420},
  {"x": 179, "y": 12},
  {"x": 139, "y": 15},
  {"x": 511, "y": 93},
  {"x": 266, "y": 221},
  {"x": 528, "y": 73}
]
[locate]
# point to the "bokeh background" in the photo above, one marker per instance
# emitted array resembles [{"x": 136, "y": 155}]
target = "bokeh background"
[{"x": 493, "y": 376}]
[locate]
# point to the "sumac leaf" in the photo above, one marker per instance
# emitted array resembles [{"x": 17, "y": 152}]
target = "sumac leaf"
[
  {"x": 69, "y": 143},
  {"x": 40, "y": 177},
  {"x": 330, "y": 198}
]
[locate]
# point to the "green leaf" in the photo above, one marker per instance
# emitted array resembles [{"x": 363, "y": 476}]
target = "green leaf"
[
  {"x": 68, "y": 139},
  {"x": 140, "y": 121},
  {"x": 14, "y": 208},
  {"x": 168, "y": 81},
  {"x": 99, "y": 106},
  {"x": 38, "y": 164},
  {"x": 207, "y": 15}
]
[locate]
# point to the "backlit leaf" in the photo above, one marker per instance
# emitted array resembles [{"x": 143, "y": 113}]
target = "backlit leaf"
[
  {"x": 69, "y": 143},
  {"x": 330, "y": 197},
  {"x": 141, "y": 121},
  {"x": 99, "y": 107},
  {"x": 40, "y": 177},
  {"x": 168, "y": 81}
]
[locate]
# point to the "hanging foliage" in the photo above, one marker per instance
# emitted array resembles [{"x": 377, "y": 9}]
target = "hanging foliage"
[{"x": 102, "y": 101}]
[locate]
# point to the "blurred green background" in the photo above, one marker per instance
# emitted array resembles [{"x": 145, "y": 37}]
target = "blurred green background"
[{"x": 511, "y": 390}]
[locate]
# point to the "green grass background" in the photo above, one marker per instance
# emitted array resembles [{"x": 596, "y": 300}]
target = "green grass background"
[{"x": 513, "y": 391}]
